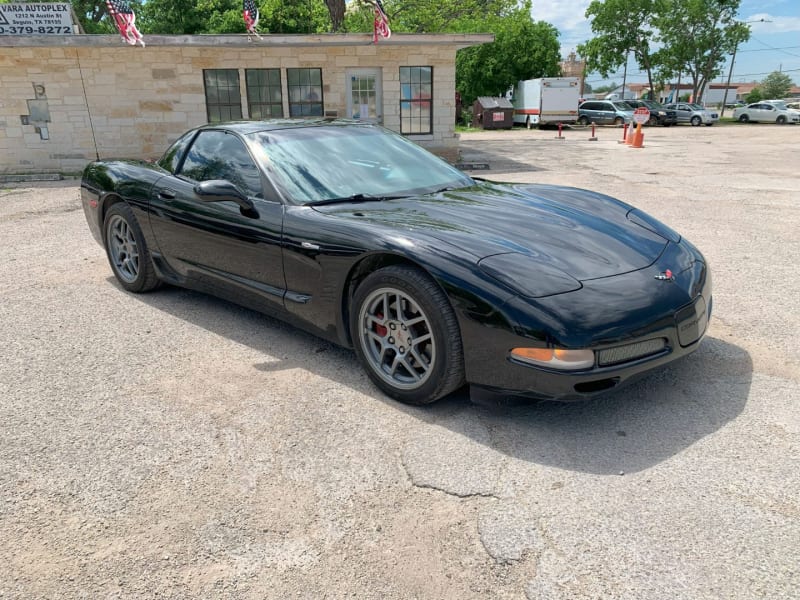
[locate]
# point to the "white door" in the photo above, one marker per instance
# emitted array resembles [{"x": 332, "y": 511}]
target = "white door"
[{"x": 364, "y": 98}]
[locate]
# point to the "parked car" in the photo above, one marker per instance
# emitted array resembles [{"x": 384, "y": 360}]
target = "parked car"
[
  {"x": 783, "y": 105},
  {"x": 605, "y": 112},
  {"x": 764, "y": 112},
  {"x": 659, "y": 114},
  {"x": 435, "y": 279},
  {"x": 694, "y": 114}
]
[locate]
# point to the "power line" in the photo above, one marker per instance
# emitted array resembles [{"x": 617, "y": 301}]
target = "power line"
[{"x": 768, "y": 47}]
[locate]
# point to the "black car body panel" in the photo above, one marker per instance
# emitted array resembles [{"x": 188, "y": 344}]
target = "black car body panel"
[{"x": 520, "y": 264}]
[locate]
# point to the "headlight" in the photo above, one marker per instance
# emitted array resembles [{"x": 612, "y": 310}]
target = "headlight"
[
  {"x": 555, "y": 358},
  {"x": 530, "y": 277},
  {"x": 661, "y": 113}
]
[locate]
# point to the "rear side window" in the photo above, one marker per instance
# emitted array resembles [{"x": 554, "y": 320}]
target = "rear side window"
[
  {"x": 590, "y": 106},
  {"x": 172, "y": 157}
]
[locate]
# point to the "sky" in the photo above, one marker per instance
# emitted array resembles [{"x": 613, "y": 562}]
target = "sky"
[{"x": 774, "y": 44}]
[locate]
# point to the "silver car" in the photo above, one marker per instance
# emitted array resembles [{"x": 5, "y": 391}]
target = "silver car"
[
  {"x": 605, "y": 112},
  {"x": 695, "y": 114}
]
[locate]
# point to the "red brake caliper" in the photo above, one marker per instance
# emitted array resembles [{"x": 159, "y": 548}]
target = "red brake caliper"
[{"x": 380, "y": 329}]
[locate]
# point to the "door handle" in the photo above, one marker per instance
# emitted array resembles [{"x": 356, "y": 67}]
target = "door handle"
[{"x": 166, "y": 194}]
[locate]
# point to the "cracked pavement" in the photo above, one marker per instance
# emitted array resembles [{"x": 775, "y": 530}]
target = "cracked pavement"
[{"x": 173, "y": 444}]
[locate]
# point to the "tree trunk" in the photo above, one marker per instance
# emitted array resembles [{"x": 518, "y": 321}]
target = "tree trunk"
[{"x": 336, "y": 10}]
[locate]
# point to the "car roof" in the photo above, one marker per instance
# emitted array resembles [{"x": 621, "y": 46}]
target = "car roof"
[{"x": 248, "y": 127}]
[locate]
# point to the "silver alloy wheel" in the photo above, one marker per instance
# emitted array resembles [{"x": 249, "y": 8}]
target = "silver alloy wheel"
[
  {"x": 123, "y": 248},
  {"x": 397, "y": 339}
]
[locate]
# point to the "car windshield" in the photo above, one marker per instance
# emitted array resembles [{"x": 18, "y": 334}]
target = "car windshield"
[
  {"x": 697, "y": 106},
  {"x": 326, "y": 163},
  {"x": 622, "y": 106}
]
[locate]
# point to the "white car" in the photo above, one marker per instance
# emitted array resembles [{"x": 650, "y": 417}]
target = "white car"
[
  {"x": 783, "y": 105},
  {"x": 695, "y": 114},
  {"x": 765, "y": 112}
]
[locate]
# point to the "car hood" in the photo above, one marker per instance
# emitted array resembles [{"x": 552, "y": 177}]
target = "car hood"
[{"x": 581, "y": 233}]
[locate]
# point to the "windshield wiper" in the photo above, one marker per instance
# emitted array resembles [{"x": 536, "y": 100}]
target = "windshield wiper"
[{"x": 353, "y": 198}]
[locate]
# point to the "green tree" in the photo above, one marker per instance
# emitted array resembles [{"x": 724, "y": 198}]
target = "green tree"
[
  {"x": 523, "y": 49},
  {"x": 696, "y": 36},
  {"x": 776, "y": 85},
  {"x": 620, "y": 27},
  {"x": 755, "y": 95}
]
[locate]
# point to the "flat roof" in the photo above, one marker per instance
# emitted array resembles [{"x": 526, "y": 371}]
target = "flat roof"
[{"x": 241, "y": 40}]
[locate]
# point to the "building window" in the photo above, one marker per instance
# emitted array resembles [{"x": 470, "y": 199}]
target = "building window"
[
  {"x": 223, "y": 99},
  {"x": 416, "y": 97},
  {"x": 264, "y": 97},
  {"x": 305, "y": 92}
]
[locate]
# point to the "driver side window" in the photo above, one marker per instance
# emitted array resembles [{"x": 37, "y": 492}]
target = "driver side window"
[{"x": 220, "y": 155}]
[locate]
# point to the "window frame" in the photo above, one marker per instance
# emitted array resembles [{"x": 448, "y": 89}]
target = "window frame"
[
  {"x": 228, "y": 104},
  {"x": 305, "y": 102},
  {"x": 259, "y": 88},
  {"x": 418, "y": 100}
]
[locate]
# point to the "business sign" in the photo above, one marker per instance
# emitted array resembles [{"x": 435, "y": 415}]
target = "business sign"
[{"x": 32, "y": 18}]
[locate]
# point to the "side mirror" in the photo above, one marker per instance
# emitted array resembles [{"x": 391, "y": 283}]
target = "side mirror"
[{"x": 221, "y": 190}]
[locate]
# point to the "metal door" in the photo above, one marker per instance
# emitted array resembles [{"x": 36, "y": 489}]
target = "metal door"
[{"x": 364, "y": 97}]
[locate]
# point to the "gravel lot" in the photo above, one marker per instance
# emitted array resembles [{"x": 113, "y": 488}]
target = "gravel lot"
[{"x": 175, "y": 445}]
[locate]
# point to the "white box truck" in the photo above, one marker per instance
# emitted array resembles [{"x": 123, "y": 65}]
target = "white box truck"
[{"x": 548, "y": 100}]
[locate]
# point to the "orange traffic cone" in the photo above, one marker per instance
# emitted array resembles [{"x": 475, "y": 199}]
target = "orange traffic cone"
[
  {"x": 638, "y": 138},
  {"x": 631, "y": 134}
]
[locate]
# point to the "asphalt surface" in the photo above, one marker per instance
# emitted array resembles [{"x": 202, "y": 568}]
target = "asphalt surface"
[{"x": 175, "y": 445}]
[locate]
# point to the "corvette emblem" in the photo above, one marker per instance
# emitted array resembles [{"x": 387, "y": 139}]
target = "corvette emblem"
[{"x": 665, "y": 276}]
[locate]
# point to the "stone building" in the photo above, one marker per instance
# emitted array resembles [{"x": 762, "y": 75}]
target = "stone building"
[{"x": 66, "y": 100}]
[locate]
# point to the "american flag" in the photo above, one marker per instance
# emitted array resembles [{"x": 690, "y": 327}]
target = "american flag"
[
  {"x": 250, "y": 15},
  {"x": 381, "y": 24},
  {"x": 125, "y": 20}
]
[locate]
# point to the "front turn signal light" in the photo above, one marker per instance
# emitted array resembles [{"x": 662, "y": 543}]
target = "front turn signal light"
[{"x": 555, "y": 358}]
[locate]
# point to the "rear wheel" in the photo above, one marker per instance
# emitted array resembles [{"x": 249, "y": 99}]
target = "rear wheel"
[
  {"x": 696, "y": 121},
  {"x": 619, "y": 121},
  {"x": 127, "y": 251},
  {"x": 583, "y": 120},
  {"x": 744, "y": 119},
  {"x": 406, "y": 335}
]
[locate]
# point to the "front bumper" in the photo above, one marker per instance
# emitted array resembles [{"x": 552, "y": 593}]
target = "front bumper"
[{"x": 614, "y": 317}]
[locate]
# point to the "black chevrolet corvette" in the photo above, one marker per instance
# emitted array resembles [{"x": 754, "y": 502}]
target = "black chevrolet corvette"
[{"x": 435, "y": 279}]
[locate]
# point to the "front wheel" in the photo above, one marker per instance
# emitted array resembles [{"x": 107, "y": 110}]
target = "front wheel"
[
  {"x": 406, "y": 335},
  {"x": 781, "y": 120},
  {"x": 696, "y": 121},
  {"x": 619, "y": 121},
  {"x": 127, "y": 251}
]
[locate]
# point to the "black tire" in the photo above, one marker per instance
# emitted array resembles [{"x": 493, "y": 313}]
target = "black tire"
[
  {"x": 583, "y": 120},
  {"x": 127, "y": 250},
  {"x": 619, "y": 121},
  {"x": 652, "y": 122},
  {"x": 404, "y": 300},
  {"x": 781, "y": 120},
  {"x": 696, "y": 121},
  {"x": 744, "y": 119}
]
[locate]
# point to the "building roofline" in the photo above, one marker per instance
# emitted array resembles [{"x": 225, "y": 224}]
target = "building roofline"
[{"x": 460, "y": 40}]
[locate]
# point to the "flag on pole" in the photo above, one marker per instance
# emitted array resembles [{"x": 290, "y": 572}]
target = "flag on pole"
[
  {"x": 381, "y": 23},
  {"x": 250, "y": 15},
  {"x": 125, "y": 20}
]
